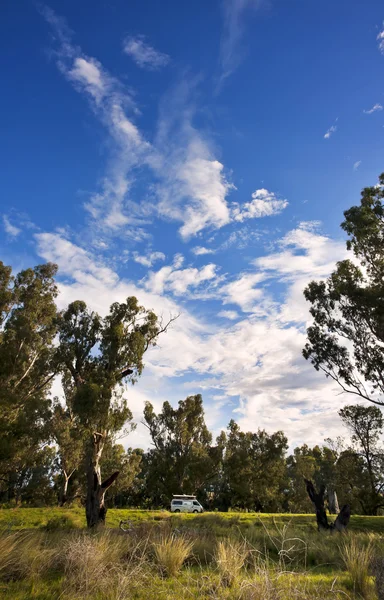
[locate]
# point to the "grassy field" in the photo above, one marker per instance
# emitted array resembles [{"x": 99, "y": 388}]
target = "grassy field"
[{"x": 47, "y": 554}]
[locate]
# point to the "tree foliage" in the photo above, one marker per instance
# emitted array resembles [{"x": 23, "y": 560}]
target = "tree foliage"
[
  {"x": 346, "y": 339},
  {"x": 27, "y": 331}
]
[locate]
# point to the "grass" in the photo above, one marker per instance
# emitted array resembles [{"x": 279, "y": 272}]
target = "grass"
[
  {"x": 171, "y": 552},
  {"x": 47, "y": 553},
  {"x": 32, "y": 518}
]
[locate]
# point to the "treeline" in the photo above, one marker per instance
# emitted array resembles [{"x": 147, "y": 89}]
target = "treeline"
[{"x": 66, "y": 449}]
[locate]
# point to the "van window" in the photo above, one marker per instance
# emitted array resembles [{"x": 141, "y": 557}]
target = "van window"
[
  {"x": 177, "y": 502},
  {"x": 195, "y": 503}
]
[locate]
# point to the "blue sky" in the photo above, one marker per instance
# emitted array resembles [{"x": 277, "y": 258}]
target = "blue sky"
[{"x": 199, "y": 156}]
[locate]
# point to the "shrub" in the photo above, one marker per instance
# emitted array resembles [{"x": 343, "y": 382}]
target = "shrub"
[{"x": 171, "y": 552}]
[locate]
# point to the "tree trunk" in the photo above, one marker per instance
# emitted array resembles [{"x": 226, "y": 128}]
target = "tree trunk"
[
  {"x": 64, "y": 493},
  {"x": 333, "y": 504},
  {"x": 318, "y": 500},
  {"x": 321, "y": 516},
  {"x": 95, "y": 509}
]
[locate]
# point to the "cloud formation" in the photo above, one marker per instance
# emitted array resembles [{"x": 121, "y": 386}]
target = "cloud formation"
[
  {"x": 234, "y": 21},
  {"x": 10, "y": 229},
  {"x": 380, "y": 39},
  {"x": 255, "y": 363},
  {"x": 149, "y": 259},
  {"x": 377, "y": 107},
  {"x": 263, "y": 204},
  {"x": 144, "y": 55},
  {"x": 330, "y": 131}
]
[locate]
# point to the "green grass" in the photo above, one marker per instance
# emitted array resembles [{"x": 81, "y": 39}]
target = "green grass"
[{"x": 32, "y": 518}]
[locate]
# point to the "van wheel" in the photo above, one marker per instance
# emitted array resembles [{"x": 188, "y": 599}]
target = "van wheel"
[
  {"x": 177, "y": 510},
  {"x": 195, "y": 511}
]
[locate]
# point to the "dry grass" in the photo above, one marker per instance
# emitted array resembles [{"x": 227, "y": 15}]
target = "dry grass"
[
  {"x": 171, "y": 552},
  {"x": 230, "y": 558}
]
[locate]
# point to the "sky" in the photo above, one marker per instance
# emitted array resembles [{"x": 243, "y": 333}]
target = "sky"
[{"x": 198, "y": 156}]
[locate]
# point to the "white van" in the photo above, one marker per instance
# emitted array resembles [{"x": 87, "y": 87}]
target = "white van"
[{"x": 186, "y": 504}]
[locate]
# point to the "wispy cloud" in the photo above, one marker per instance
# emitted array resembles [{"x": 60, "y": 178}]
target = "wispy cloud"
[
  {"x": 194, "y": 188},
  {"x": 144, "y": 55},
  {"x": 263, "y": 204},
  {"x": 10, "y": 229},
  {"x": 111, "y": 103},
  {"x": 374, "y": 108},
  {"x": 330, "y": 131},
  {"x": 234, "y": 15},
  {"x": 356, "y": 165},
  {"x": 380, "y": 39}
]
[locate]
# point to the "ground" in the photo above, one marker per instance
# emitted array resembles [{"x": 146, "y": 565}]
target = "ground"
[{"x": 47, "y": 553}]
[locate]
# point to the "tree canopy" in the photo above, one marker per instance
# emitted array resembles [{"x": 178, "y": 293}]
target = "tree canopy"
[{"x": 346, "y": 339}]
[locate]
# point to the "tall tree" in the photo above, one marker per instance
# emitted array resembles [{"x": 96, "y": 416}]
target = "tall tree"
[
  {"x": 27, "y": 331},
  {"x": 366, "y": 426},
  {"x": 182, "y": 460},
  {"x": 100, "y": 354},
  {"x": 346, "y": 339}
]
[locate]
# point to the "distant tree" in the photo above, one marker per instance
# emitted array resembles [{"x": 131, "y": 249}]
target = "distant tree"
[
  {"x": 27, "y": 331},
  {"x": 100, "y": 354},
  {"x": 318, "y": 464},
  {"x": 346, "y": 340},
  {"x": 366, "y": 425},
  {"x": 182, "y": 460},
  {"x": 255, "y": 468}
]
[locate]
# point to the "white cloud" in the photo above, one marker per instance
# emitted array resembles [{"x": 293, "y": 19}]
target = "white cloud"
[
  {"x": 232, "y": 315},
  {"x": 143, "y": 54},
  {"x": 111, "y": 207},
  {"x": 88, "y": 72},
  {"x": 356, "y": 165},
  {"x": 10, "y": 229},
  {"x": 201, "y": 250},
  {"x": 330, "y": 131},
  {"x": 256, "y": 360},
  {"x": 234, "y": 13},
  {"x": 178, "y": 281},
  {"x": 149, "y": 259},
  {"x": 194, "y": 188},
  {"x": 244, "y": 291},
  {"x": 380, "y": 39},
  {"x": 375, "y": 108},
  {"x": 263, "y": 204},
  {"x": 73, "y": 260}
]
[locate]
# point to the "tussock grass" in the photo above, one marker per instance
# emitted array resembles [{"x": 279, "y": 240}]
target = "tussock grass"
[
  {"x": 171, "y": 552},
  {"x": 358, "y": 559},
  {"x": 230, "y": 558}
]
